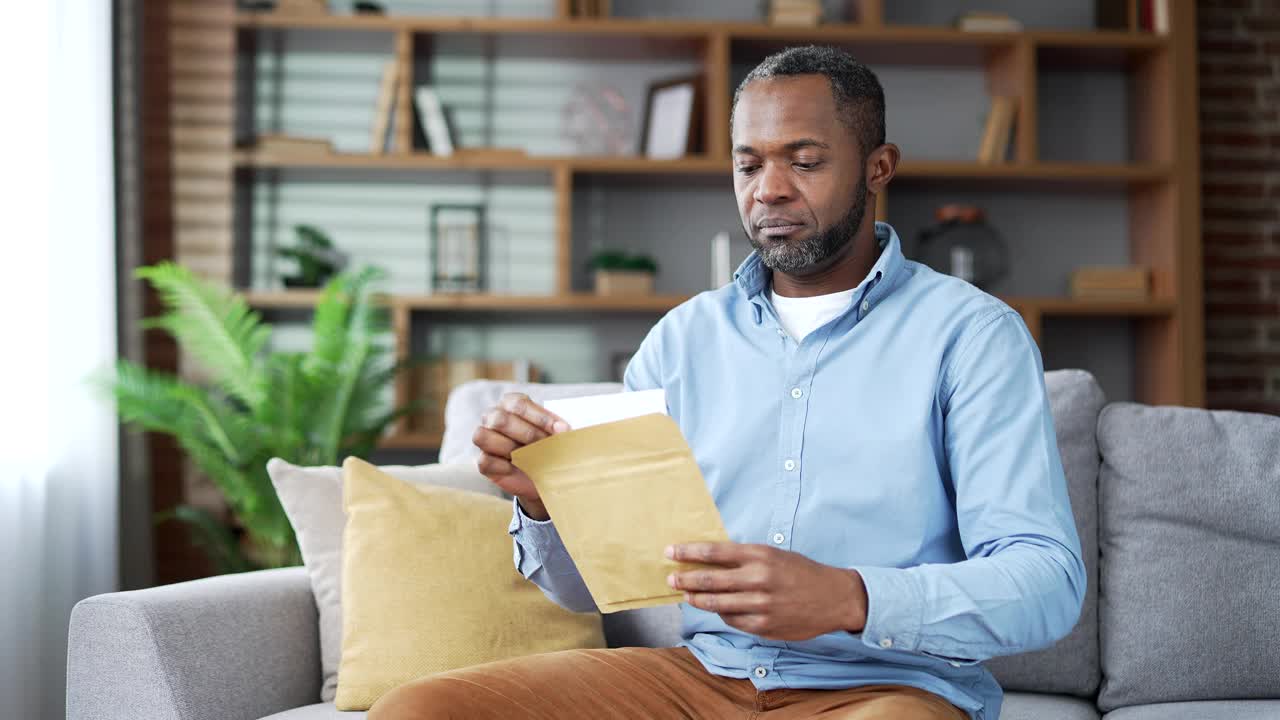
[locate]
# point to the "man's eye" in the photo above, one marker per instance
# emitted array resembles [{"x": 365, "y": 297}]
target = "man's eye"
[
  {"x": 807, "y": 166},
  {"x": 747, "y": 169}
]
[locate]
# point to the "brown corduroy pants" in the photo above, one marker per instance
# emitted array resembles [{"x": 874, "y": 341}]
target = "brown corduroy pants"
[{"x": 637, "y": 683}]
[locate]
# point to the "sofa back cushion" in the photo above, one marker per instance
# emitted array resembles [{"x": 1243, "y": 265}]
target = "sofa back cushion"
[
  {"x": 1071, "y": 665},
  {"x": 1190, "y": 541}
]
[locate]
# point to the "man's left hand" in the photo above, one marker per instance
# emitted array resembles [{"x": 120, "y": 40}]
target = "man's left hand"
[{"x": 772, "y": 593}]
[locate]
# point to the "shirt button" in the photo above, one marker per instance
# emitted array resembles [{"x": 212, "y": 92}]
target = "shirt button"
[
  {"x": 789, "y": 465},
  {"x": 886, "y": 643},
  {"x": 778, "y": 538},
  {"x": 797, "y": 393},
  {"x": 761, "y": 672},
  {"x": 865, "y": 306},
  {"x": 781, "y": 332}
]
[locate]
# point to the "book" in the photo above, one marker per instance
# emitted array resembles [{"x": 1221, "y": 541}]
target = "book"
[
  {"x": 1111, "y": 283},
  {"x": 278, "y": 144},
  {"x": 380, "y": 138},
  {"x": 1160, "y": 16},
  {"x": 302, "y": 7},
  {"x": 435, "y": 124},
  {"x": 987, "y": 22},
  {"x": 1153, "y": 16},
  {"x": 789, "y": 17},
  {"x": 995, "y": 136},
  {"x": 795, "y": 12}
]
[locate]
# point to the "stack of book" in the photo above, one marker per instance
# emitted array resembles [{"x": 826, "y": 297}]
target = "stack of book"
[
  {"x": 302, "y": 7},
  {"x": 981, "y": 21},
  {"x": 795, "y": 12},
  {"x": 431, "y": 382},
  {"x": 1111, "y": 283}
]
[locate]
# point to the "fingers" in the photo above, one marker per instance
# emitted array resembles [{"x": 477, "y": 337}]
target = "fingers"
[
  {"x": 495, "y": 467},
  {"x": 520, "y": 405},
  {"x": 716, "y": 580},
  {"x": 511, "y": 426},
  {"x": 492, "y": 442},
  {"x": 510, "y": 478},
  {"x": 721, "y": 553},
  {"x": 732, "y": 603}
]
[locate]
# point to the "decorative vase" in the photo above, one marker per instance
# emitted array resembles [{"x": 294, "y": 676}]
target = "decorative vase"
[
  {"x": 962, "y": 244},
  {"x": 624, "y": 282}
]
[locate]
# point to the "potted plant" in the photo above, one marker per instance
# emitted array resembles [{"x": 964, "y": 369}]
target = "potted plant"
[
  {"x": 619, "y": 273},
  {"x": 316, "y": 257},
  {"x": 310, "y": 408}
]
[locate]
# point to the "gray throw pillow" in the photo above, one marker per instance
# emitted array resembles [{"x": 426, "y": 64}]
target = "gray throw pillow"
[
  {"x": 1190, "y": 535},
  {"x": 1071, "y": 665},
  {"x": 312, "y": 498}
]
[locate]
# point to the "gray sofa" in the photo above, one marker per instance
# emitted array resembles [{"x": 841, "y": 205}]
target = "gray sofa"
[{"x": 1178, "y": 512}]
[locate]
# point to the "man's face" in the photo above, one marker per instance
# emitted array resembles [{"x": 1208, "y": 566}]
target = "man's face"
[{"x": 798, "y": 173}]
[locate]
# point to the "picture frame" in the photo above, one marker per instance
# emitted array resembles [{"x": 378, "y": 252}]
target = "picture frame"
[
  {"x": 672, "y": 119},
  {"x": 458, "y": 248}
]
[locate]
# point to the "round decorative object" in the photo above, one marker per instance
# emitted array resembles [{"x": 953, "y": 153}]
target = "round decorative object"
[
  {"x": 596, "y": 120},
  {"x": 961, "y": 243}
]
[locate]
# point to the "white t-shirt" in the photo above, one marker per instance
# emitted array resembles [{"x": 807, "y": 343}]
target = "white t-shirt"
[{"x": 802, "y": 315}]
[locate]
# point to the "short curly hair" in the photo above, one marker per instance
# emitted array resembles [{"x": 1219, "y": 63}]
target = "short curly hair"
[{"x": 857, "y": 91}]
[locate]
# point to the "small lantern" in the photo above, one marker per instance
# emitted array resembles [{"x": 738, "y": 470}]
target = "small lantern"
[{"x": 459, "y": 248}]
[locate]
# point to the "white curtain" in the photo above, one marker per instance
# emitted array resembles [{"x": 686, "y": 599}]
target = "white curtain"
[{"x": 58, "y": 440}]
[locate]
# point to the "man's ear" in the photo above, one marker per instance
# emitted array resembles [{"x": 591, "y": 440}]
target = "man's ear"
[{"x": 881, "y": 166}]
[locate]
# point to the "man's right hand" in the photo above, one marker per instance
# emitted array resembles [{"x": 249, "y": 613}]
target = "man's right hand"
[{"x": 515, "y": 422}]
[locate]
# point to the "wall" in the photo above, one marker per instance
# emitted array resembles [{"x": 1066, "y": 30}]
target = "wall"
[{"x": 1240, "y": 133}]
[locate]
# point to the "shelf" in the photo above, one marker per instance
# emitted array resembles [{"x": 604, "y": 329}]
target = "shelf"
[
  {"x": 411, "y": 441},
  {"x": 701, "y": 165},
  {"x": 253, "y": 159},
  {"x": 832, "y": 32},
  {"x": 478, "y": 302},
  {"x": 1110, "y": 173},
  {"x": 305, "y": 299}
]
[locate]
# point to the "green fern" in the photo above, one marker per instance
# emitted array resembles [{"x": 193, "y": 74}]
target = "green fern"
[{"x": 311, "y": 408}]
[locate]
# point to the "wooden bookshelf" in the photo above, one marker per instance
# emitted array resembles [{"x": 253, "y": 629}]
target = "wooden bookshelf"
[
  {"x": 1160, "y": 178},
  {"x": 479, "y": 302},
  {"x": 872, "y": 32},
  {"x": 1032, "y": 172}
]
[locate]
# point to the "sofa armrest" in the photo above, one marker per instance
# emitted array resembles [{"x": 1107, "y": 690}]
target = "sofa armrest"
[{"x": 230, "y": 647}]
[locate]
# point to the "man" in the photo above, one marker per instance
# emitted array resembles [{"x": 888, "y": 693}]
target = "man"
[{"x": 877, "y": 438}]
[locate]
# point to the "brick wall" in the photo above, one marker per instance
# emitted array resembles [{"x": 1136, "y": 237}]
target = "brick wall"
[{"x": 1239, "y": 51}]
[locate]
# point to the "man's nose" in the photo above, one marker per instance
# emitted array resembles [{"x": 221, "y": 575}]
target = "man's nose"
[{"x": 772, "y": 186}]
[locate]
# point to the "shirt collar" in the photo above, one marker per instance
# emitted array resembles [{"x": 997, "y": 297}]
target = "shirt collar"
[{"x": 752, "y": 277}]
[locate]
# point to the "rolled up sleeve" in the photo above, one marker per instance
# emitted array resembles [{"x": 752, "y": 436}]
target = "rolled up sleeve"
[{"x": 540, "y": 556}]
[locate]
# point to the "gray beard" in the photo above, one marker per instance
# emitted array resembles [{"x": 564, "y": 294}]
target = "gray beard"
[{"x": 792, "y": 257}]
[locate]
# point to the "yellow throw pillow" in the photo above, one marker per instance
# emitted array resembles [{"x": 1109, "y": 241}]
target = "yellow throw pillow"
[{"x": 428, "y": 585}]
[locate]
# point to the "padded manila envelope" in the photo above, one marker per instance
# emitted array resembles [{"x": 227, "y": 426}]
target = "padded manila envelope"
[{"x": 619, "y": 494}]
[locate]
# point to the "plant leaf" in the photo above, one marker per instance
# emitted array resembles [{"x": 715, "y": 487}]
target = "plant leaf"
[{"x": 214, "y": 324}]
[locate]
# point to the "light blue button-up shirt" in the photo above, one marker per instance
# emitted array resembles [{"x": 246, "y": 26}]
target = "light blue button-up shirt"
[{"x": 909, "y": 439}]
